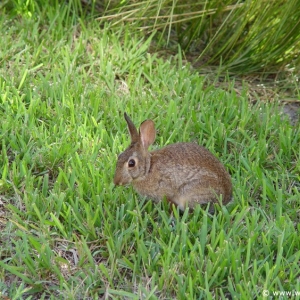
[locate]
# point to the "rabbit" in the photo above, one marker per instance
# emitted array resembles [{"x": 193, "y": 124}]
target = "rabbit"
[{"x": 186, "y": 174}]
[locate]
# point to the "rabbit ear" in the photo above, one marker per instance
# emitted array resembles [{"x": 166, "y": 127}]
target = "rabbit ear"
[
  {"x": 132, "y": 129},
  {"x": 147, "y": 133}
]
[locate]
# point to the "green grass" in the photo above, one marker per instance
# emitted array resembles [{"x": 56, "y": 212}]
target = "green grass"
[
  {"x": 240, "y": 37},
  {"x": 69, "y": 234}
]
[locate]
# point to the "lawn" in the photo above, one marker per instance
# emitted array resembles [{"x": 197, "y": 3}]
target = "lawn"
[{"x": 68, "y": 233}]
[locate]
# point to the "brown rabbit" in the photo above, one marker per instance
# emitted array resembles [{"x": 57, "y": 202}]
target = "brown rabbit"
[{"x": 185, "y": 173}]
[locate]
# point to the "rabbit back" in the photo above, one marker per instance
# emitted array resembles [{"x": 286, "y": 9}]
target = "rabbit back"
[{"x": 186, "y": 174}]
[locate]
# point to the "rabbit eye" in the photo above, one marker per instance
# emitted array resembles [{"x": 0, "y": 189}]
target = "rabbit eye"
[{"x": 131, "y": 163}]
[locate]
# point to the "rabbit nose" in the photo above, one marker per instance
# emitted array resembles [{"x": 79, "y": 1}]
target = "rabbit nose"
[{"x": 117, "y": 181}]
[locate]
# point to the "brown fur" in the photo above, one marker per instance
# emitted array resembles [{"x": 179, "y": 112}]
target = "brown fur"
[{"x": 185, "y": 173}]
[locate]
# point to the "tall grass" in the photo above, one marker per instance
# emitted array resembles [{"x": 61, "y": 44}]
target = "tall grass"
[{"x": 240, "y": 36}]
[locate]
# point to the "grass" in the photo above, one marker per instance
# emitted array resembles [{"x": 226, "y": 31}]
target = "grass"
[
  {"x": 67, "y": 233},
  {"x": 239, "y": 37}
]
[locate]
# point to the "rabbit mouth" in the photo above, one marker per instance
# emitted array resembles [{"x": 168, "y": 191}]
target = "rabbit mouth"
[
  {"x": 126, "y": 184},
  {"x": 121, "y": 182}
]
